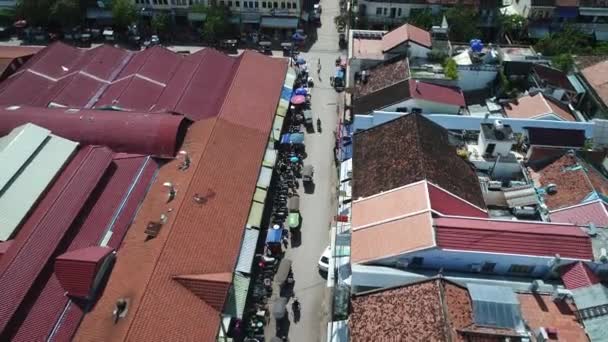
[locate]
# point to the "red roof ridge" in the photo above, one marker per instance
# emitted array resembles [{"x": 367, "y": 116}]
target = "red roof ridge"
[
  {"x": 577, "y": 275},
  {"x": 209, "y": 287},
  {"x": 232, "y": 85},
  {"x": 453, "y": 195}
]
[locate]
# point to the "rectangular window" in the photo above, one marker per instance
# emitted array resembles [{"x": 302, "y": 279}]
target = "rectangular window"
[
  {"x": 490, "y": 148},
  {"x": 289, "y": 5},
  {"x": 229, "y": 3},
  {"x": 245, "y": 4},
  {"x": 263, "y": 4},
  {"x": 250, "y": 4},
  {"x": 521, "y": 269},
  {"x": 294, "y": 6},
  {"x": 275, "y": 4},
  {"x": 385, "y": 11},
  {"x": 379, "y": 11},
  {"x": 257, "y": 4},
  {"x": 237, "y": 3},
  {"x": 222, "y": 3},
  {"x": 282, "y": 5},
  {"x": 399, "y": 12}
]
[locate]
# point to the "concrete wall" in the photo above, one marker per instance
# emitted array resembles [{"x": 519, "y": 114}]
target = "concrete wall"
[
  {"x": 371, "y": 9},
  {"x": 475, "y": 79},
  {"x": 426, "y": 106},
  {"x": 460, "y": 261}
]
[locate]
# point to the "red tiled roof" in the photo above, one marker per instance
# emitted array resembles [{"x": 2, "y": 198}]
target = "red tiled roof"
[
  {"x": 578, "y": 274},
  {"x": 537, "y": 106},
  {"x": 209, "y": 246},
  {"x": 596, "y": 76},
  {"x": 554, "y": 77},
  {"x": 155, "y": 80},
  {"x": 154, "y": 134},
  {"x": 211, "y": 288},
  {"x": 4, "y": 245},
  {"x": 112, "y": 205},
  {"x": 430, "y": 310},
  {"x": 447, "y": 203},
  {"x": 403, "y": 34},
  {"x": 582, "y": 214},
  {"x": 76, "y": 270},
  {"x": 575, "y": 181},
  {"x": 436, "y": 93},
  {"x": 45, "y": 228},
  {"x": 512, "y": 237}
]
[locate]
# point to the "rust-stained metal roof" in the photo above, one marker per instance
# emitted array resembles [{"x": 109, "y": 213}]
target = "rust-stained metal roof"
[
  {"x": 198, "y": 238},
  {"x": 43, "y": 231},
  {"x": 153, "y": 134},
  {"x": 155, "y": 80},
  {"x": 76, "y": 270}
]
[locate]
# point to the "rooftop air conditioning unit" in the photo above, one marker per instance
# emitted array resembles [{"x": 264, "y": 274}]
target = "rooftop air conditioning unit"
[{"x": 494, "y": 185}]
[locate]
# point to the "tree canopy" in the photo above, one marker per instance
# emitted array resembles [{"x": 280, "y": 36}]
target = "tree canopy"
[
  {"x": 450, "y": 69},
  {"x": 160, "y": 23},
  {"x": 65, "y": 13},
  {"x": 513, "y": 24},
  {"x": 569, "y": 40},
  {"x": 124, "y": 13},
  {"x": 423, "y": 18},
  {"x": 564, "y": 62},
  {"x": 216, "y": 20},
  {"x": 463, "y": 23}
]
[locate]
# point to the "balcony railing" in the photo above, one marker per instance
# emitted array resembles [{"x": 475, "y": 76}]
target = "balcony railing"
[{"x": 594, "y": 3}]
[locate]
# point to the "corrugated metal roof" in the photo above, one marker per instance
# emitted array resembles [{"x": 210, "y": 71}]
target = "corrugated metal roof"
[
  {"x": 578, "y": 275},
  {"x": 513, "y": 237},
  {"x": 155, "y": 134},
  {"x": 521, "y": 197},
  {"x": 17, "y": 147},
  {"x": 495, "y": 306},
  {"x": 250, "y": 241},
  {"x": 237, "y": 297},
  {"x": 115, "y": 204},
  {"x": 44, "y": 230},
  {"x": 582, "y": 214},
  {"x": 45, "y": 154},
  {"x": 76, "y": 270}
]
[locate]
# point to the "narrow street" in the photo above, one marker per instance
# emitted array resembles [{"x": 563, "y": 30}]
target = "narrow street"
[{"x": 318, "y": 208}]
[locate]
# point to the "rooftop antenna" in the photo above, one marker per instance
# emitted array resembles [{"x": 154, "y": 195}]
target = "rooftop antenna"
[
  {"x": 186, "y": 163},
  {"x": 172, "y": 191}
]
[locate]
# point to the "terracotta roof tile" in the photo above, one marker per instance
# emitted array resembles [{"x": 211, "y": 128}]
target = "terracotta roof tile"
[
  {"x": 582, "y": 214},
  {"x": 198, "y": 238},
  {"x": 596, "y": 75},
  {"x": 575, "y": 181},
  {"x": 403, "y": 34},
  {"x": 542, "y": 311},
  {"x": 392, "y": 238},
  {"x": 436, "y": 93},
  {"x": 211, "y": 288},
  {"x": 537, "y": 105},
  {"x": 406, "y": 150},
  {"x": 382, "y": 76}
]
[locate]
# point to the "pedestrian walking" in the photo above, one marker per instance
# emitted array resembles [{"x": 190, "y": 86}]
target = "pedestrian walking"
[{"x": 295, "y": 308}]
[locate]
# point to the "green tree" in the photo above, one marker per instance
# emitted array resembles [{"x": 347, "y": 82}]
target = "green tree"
[
  {"x": 423, "y": 18},
  {"x": 36, "y": 12},
  {"x": 569, "y": 40},
  {"x": 512, "y": 24},
  {"x": 66, "y": 13},
  {"x": 124, "y": 13},
  {"x": 564, "y": 62},
  {"x": 463, "y": 23},
  {"x": 216, "y": 20},
  {"x": 160, "y": 23},
  {"x": 450, "y": 69}
]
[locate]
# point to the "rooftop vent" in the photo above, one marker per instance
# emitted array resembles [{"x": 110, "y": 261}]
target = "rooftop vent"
[
  {"x": 186, "y": 163},
  {"x": 172, "y": 191},
  {"x": 153, "y": 228},
  {"x": 536, "y": 285},
  {"x": 120, "y": 309},
  {"x": 551, "y": 189}
]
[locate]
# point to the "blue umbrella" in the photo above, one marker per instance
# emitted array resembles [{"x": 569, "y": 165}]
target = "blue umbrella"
[
  {"x": 300, "y": 60},
  {"x": 301, "y": 91}
]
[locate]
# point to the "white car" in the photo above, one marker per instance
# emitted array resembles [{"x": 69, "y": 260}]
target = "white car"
[{"x": 324, "y": 259}]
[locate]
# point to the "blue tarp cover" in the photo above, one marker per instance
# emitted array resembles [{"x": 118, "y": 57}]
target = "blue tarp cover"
[
  {"x": 292, "y": 138},
  {"x": 286, "y": 93},
  {"x": 567, "y": 12},
  {"x": 346, "y": 151},
  {"x": 274, "y": 235}
]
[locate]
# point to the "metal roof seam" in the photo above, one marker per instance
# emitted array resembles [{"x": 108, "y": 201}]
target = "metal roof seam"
[{"x": 232, "y": 85}]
